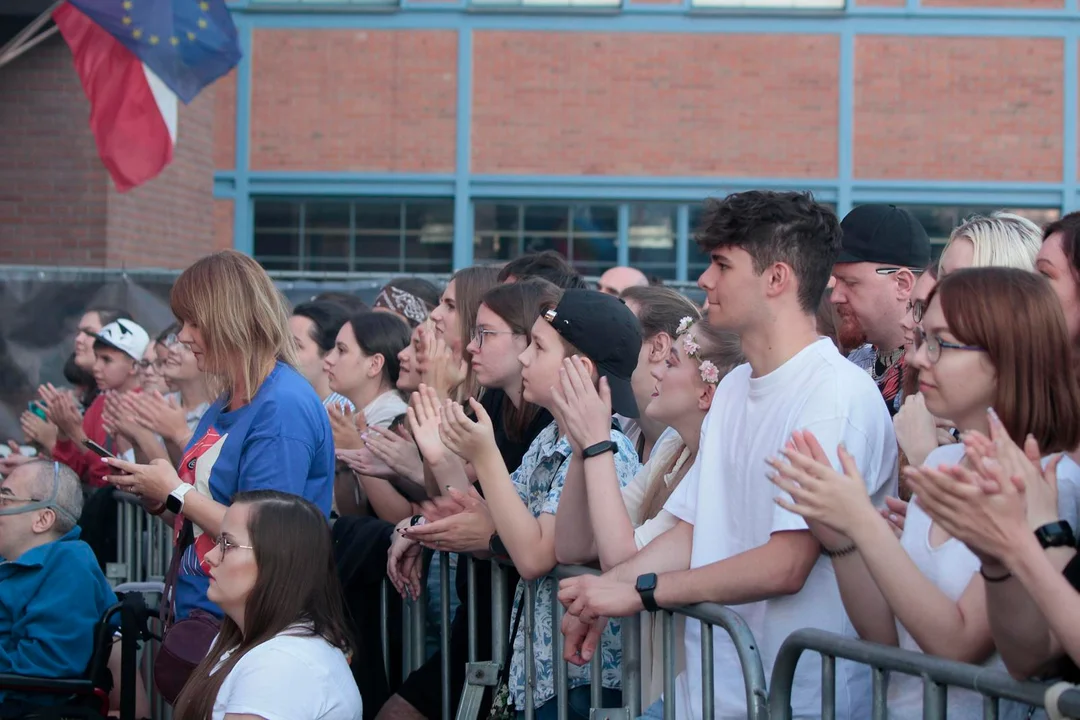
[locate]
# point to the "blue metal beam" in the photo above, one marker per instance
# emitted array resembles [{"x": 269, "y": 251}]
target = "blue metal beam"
[
  {"x": 243, "y": 232},
  {"x": 956, "y": 22},
  {"x": 463, "y": 235},
  {"x": 622, "y": 249},
  {"x": 682, "y": 242}
]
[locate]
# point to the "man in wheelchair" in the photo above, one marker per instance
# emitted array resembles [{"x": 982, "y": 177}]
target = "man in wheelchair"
[{"x": 52, "y": 591}]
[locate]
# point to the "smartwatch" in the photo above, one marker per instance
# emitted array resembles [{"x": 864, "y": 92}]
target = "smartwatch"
[
  {"x": 1056, "y": 534},
  {"x": 174, "y": 503},
  {"x": 599, "y": 449},
  {"x": 646, "y": 588}
]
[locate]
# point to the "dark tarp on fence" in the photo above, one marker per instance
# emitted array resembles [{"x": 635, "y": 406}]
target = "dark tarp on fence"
[{"x": 40, "y": 309}]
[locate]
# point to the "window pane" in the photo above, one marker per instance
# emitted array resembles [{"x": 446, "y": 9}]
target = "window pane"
[
  {"x": 277, "y": 214},
  {"x": 327, "y": 251},
  {"x": 652, "y": 237},
  {"x": 941, "y": 220},
  {"x": 378, "y": 251},
  {"x": 378, "y": 216},
  {"x": 497, "y": 231},
  {"x": 546, "y": 228},
  {"x": 277, "y": 250},
  {"x": 429, "y": 236},
  {"x": 321, "y": 215},
  {"x": 595, "y": 238}
]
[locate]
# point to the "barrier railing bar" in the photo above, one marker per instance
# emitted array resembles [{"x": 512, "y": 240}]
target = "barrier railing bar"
[
  {"x": 934, "y": 695},
  {"x": 708, "y": 694},
  {"x": 444, "y": 630},
  {"x": 596, "y": 675},
  {"x": 530, "y": 666},
  {"x": 470, "y": 576},
  {"x": 562, "y": 689},
  {"x": 935, "y": 671},
  {"x": 828, "y": 687},
  {"x": 384, "y": 624},
  {"x": 499, "y": 619},
  {"x": 669, "y": 664},
  {"x": 880, "y": 707},
  {"x": 631, "y": 666}
]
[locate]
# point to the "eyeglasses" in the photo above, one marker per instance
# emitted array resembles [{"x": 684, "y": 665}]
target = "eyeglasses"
[
  {"x": 145, "y": 365},
  {"x": 934, "y": 345},
  {"x": 224, "y": 544},
  {"x": 478, "y": 338},
  {"x": 917, "y": 309},
  {"x": 894, "y": 270}
]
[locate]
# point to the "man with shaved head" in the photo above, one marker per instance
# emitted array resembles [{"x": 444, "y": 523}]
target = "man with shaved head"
[
  {"x": 617, "y": 279},
  {"x": 52, "y": 591}
]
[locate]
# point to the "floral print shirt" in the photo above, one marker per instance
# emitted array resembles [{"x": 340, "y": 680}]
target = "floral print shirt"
[{"x": 539, "y": 482}]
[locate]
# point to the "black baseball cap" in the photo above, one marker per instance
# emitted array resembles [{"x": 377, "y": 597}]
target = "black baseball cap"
[
  {"x": 884, "y": 234},
  {"x": 606, "y": 332}
]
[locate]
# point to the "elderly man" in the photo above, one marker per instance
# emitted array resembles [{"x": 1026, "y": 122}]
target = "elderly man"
[
  {"x": 617, "y": 279},
  {"x": 52, "y": 591}
]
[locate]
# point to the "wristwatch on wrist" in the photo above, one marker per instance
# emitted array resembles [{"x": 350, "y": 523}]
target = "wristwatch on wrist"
[
  {"x": 1056, "y": 534},
  {"x": 599, "y": 449},
  {"x": 646, "y": 588},
  {"x": 174, "y": 503}
]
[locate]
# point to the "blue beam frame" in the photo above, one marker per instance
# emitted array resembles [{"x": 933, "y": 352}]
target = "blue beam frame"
[{"x": 242, "y": 185}]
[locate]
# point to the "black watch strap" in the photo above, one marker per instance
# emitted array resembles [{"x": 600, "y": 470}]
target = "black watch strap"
[
  {"x": 1056, "y": 534},
  {"x": 599, "y": 449},
  {"x": 646, "y": 588},
  {"x": 496, "y": 546}
]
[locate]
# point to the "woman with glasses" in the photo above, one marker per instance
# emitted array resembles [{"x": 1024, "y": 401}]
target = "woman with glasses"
[
  {"x": 991, "y": 339},
  {"x": 283, "y": 650}
]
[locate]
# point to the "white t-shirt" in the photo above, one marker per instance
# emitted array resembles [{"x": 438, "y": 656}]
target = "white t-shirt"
[
  {"x": 291, "y": 677},
  {"x": 951, "y": 566},
  {"x": 381, "y": 411},
  {"x": 751, "y": 419}
]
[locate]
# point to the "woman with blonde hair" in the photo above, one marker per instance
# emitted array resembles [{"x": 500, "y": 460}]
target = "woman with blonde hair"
[
  {"x": 267, "y": 430},
  {"x": 1000, "y": 239}
]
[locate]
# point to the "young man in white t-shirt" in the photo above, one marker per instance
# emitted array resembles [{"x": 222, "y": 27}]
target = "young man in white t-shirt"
[{"x": 771, "y": 255}]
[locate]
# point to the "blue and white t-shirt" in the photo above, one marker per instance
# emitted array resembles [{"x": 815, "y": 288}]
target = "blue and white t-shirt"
[{"x": 281, "y": 441}]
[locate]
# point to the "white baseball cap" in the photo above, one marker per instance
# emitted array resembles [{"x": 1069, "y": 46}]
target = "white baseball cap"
[{"x": 125, "y": 336}]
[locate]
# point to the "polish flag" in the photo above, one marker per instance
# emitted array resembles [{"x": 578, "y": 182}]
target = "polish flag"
[{"x": 133, "y": 114}]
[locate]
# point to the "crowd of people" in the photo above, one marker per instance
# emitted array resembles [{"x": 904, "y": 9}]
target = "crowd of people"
[{"x": 849, "y": 436}]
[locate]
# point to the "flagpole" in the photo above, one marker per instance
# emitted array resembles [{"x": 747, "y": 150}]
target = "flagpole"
[{"x": 26, "y": 39}]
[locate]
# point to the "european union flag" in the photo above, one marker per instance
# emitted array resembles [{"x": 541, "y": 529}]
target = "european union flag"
[{"x": 187, "y": 43}]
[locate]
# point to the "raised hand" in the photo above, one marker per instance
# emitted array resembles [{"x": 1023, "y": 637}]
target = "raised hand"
[
  {"x": 424, "y": 418},
  {"x": 468, "y": 439},
  {"x": 584, "y": 411}
]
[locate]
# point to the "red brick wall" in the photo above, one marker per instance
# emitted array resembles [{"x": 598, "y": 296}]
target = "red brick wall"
[
  {"x": 57, "y": 203},
  {"x": 1057, "y": 4},
  {"x": 225, "y": 122},
  {"x": 353, "y": 100},
  {"x": 223, "y": 224},
  {"x": 169, "y": 221},
  {"x": 52, "y": 185},
  {"x": 958, "y": 108},
  {"x": 630, "y": 104}
]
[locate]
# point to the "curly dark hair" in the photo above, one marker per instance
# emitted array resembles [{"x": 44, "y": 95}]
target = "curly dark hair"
[{"x": 777, "y": 227}]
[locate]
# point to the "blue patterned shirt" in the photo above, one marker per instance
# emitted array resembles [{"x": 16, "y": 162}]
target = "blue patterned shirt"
[{"x": 539, "y": 482}]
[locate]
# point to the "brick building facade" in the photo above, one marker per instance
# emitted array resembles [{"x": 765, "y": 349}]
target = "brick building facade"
[{"x": 356, "y": 136}]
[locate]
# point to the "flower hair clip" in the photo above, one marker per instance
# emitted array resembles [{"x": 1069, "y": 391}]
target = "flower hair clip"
[{"x": 709, "y": 372}]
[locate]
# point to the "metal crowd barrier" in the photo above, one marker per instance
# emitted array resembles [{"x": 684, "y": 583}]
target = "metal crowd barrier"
[
  {"x": 938, "y": 674},
  {"x": 144, "y": 543}
]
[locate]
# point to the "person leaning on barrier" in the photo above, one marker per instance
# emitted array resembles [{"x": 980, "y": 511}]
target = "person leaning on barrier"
[
  {"x": 52, "y": 592},
  {"x": 989, "y": 333},
  {"x": 770, "y": 258}
]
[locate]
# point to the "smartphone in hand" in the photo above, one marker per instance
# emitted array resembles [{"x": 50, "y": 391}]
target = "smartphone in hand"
[
  {"x": 97, "y": 449},
  {"x": 38, "y": 408}
]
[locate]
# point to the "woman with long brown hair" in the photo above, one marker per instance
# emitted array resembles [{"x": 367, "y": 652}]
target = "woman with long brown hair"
[
  {"x": 991, "y": 349},
  {"x": 267, "y": 430},
  {"x": 283, "y": 649}
]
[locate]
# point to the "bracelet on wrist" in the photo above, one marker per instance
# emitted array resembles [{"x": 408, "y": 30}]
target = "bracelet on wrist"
[
  {"x": 839, "y": 552},
  {"x": 994, "y": 578}
]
